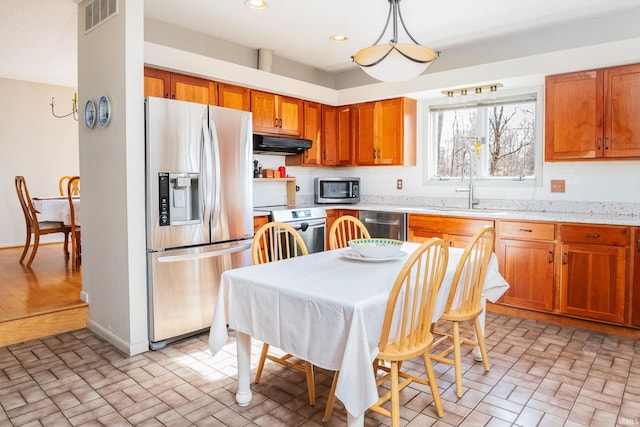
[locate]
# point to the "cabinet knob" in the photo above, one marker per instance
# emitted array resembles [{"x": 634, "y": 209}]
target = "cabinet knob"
[
  {"x": 599, "y": 143},
  {"x": 606, "y": 143},
  {"x": 526, "y": 230},
  {"x": 592, "y": 235},
  {"x": 550, "y": 257},
  {"x": 564, "y": 258}
]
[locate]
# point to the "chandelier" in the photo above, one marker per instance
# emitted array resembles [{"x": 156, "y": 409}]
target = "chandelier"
[
  {"x": 394, "y": 61},
  {"x": 74, "y": 108}
]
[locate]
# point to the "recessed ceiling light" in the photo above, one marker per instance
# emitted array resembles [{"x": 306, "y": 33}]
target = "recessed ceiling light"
[
  {"x": 256, "y": 4},
  {"x": 338, "y": 38}
]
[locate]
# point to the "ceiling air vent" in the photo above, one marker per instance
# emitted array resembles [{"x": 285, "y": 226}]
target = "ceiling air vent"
[{"x": 98, "y": 11}]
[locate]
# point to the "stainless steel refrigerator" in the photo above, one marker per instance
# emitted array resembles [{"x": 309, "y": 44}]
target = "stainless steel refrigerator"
[{"x": 199, "y": 210}]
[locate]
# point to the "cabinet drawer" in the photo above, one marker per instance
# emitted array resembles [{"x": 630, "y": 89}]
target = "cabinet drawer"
[
  {"x": 595, "y": 234},
  {"x": 525, "y": 230},
  {"x": 450, "y": 225}
]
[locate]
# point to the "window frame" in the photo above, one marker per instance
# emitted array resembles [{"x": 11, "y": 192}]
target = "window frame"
[{"x": 430, "y": 179}]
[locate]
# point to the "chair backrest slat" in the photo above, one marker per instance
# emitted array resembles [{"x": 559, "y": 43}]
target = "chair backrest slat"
[
  {"x": 276, "y": 241},
  {"x": 346, "y": 228}
]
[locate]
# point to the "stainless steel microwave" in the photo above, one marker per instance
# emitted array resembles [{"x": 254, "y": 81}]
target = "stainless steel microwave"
[{"x": 337, "y": 190}]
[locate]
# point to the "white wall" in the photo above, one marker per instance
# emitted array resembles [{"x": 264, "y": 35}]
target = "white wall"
[
  {"x": 34, "y": 144},
  {"x": 112, "y": 171}
]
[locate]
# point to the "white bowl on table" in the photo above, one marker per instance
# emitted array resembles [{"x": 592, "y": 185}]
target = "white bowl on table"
[{"x": 376, "y": 248}]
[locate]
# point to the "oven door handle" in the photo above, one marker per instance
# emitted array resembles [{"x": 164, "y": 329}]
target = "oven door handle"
[{"x": 310, "y": 224}]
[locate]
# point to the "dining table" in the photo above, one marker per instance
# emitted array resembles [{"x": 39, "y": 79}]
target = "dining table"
[
  {"x": 326, "y": 308},
  {"x": 56, "y": 208}
]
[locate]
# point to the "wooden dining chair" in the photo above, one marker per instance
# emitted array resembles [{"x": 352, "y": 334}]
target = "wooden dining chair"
[
  {"x": 76, "y": 239},
  {"x": 276, "y": 241},
  {"x": 464, "y": 303},
  {"x": 35, "y": 227},
  {"x": 406, "y": 331},
  {"x": 62, "y": 184},
  {"x": 346, "y": 228}
]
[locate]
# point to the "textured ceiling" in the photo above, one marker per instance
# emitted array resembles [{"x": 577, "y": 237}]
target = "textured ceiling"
[{"x": 39, "y": 37}]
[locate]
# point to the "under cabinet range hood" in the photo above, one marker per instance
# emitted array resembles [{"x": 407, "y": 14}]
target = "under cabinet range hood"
[{"x": 264, "y": 144}]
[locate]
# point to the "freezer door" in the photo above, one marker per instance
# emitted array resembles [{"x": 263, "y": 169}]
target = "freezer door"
[
  {"x": 177, "y": 185},
  {"x": 183, "y": 287},
  {"x": 232, "y": 174}
]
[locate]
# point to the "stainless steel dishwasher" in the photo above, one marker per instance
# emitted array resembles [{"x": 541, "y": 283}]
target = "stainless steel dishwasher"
[{"x": 391, "y": 225}]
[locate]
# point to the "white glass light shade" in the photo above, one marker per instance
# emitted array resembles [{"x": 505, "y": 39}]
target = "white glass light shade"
[{"x": 395, "y": 67}]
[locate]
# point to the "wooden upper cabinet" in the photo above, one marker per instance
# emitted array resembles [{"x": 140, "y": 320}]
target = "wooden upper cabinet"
[
  {"x": 621, "y": 111},
  {"x": 337, "y": 136},
  {"x": 386, "y": 132},
  {"x": 276, "y": 114},
  {"x": 193, "y": 89},
  {"x": 232, "y": 96},
  {"x": 164, "y": 84},
  {"x": 156, "y": 83},
  {"x": 590, "y": 114},
  {"x": 313, "y": 131}
]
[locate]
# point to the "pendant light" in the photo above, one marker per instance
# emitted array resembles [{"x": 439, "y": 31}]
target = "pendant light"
[{"x": 394, "y": 61}]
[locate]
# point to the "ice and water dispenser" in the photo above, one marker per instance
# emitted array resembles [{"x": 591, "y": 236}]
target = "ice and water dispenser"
[{"x": 179, "y": 198}]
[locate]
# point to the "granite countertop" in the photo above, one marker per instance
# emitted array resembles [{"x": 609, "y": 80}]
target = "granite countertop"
[{"x": 497, "y": 214}]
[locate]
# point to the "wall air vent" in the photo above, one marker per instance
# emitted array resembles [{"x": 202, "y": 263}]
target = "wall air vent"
[{"x": 98, "y": 11}]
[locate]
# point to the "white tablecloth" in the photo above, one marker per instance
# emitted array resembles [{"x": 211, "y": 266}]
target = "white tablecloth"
[
  {"x": 56, "y": 209},
  {"x": 326, "y": 309}
]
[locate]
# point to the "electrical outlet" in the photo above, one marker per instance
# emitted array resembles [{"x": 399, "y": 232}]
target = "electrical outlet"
[
  {"x": 399, "y": 184},
  {"x": 557, "y": 185}
]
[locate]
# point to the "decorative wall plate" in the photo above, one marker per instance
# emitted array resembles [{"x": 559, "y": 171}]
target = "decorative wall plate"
[
  {"x": 89, "y": 114},
  {"x": 104, "y": 111}
]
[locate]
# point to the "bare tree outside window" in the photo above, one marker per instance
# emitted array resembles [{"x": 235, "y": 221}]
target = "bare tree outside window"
[{"x": 496, "y": 140}]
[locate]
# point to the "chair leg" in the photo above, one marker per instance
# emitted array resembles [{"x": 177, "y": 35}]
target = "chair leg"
[
  {"x": 331, "y": 400},
  {"x": 431, "y": 375},
  {"x": 395, "y": 396},
  {"x": 66, "y": 244},
  {"x": 36, "y": 242},
  {"x": 457, "y": 358},
  {"x": 263, "y": 357},
  {"x": 311, "y": 384},
  {"x": 27, "y": 243},
  {"x": 481, "y": 343}
]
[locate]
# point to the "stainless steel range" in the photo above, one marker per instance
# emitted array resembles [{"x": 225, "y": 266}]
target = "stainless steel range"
[{"x": 310, "y": 223}]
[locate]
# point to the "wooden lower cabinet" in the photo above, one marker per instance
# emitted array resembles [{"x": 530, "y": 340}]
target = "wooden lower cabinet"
[
  {"x": 259, "y": 221},
  {"x": 593, "y": 271},
  {"x": 333, "y": 214},
  {"x": 457, "y": 232},
  {"x": 526, "y": 254}
]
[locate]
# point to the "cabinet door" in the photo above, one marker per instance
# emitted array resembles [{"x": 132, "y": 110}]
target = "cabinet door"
[
  {"x": 193, "y": 89},
  {"x": 333, "y": 214},
  {"x": 528, "y": 268},
  {"x": 156, "y": 83},
  {"x": 593, "y": 281},
  {"x": 574, "y": 116},
  {"x": 312, "y": 131},
  {"x": 344, "y": 150},
  {"x": 389, "y": 132},
  {"x": 329, "y": 136},
  {"x": 290, "y": 115},
  {"x": 263, "y": 109},
  {"x": 365, "y": 134},
  {"x": 622, "y": 109},
  {"x": 236, "y": 97}
]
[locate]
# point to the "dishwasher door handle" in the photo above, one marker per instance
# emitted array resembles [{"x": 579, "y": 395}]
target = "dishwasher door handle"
[{"x": 381, "y": 221}]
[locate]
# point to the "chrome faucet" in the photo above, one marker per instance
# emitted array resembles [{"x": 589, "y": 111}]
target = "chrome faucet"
[{"x": 469, "y": 189}]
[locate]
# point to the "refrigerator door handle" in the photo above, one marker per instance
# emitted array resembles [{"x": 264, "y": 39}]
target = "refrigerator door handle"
[
  {"x": 209, "y": 254},
  {"x": 215, "y": 147},
  {"x": 205, "y": 167}
]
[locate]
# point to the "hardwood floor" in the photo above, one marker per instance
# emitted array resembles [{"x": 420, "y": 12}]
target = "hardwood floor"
[{"x": 42, "y": 300}]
